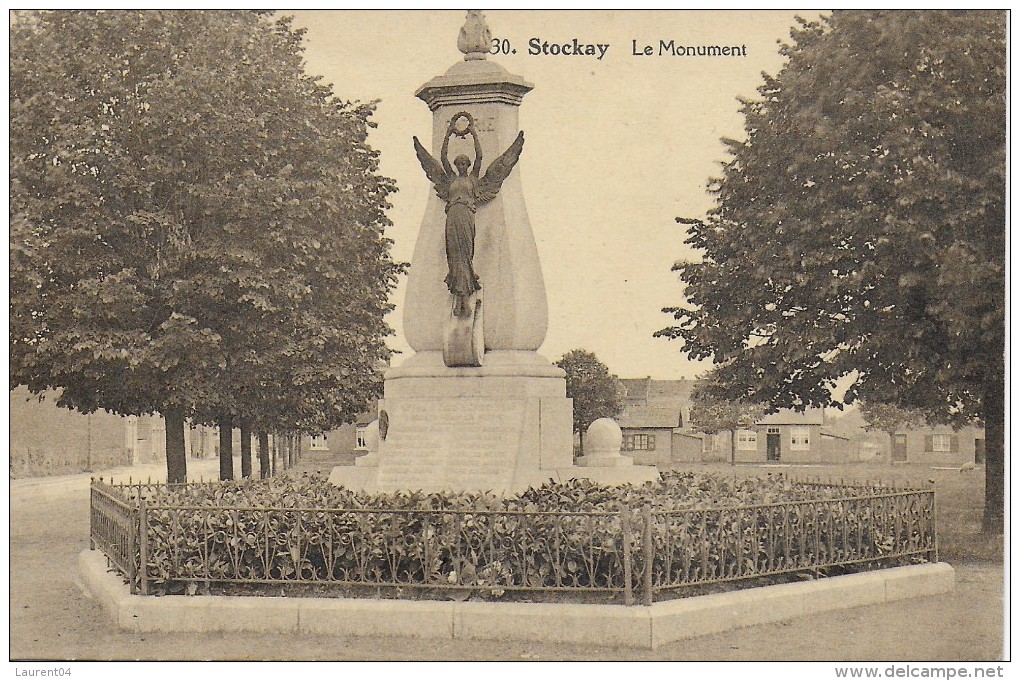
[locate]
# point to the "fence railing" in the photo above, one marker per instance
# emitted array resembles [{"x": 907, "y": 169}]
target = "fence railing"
[
  {"x": 694, "y": 547},
  {"x": 633, "y": 553},
  {"x": 114, "y": 528}
]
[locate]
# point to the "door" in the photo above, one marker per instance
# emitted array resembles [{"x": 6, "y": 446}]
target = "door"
[
  {"x": 899, "y": 447},
  {"x": 772, "y": 445}
]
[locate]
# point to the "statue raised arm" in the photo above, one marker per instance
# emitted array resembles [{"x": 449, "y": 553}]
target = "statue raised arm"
[{"x": 463, "y": 192}]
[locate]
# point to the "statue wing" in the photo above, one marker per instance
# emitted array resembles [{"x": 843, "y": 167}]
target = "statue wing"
[
  {"x": 500, "y": 169},
  {"x": 433, "y": 170}
]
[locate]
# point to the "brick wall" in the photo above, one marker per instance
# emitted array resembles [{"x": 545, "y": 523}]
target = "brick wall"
[{"x": 49, "y": 440}]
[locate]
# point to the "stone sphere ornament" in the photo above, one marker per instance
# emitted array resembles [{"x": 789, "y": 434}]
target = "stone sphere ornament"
[{"x": 603, "y": 437}]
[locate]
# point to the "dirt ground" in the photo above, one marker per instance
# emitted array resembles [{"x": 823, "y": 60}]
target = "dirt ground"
[{"x": 51, "y": 618}]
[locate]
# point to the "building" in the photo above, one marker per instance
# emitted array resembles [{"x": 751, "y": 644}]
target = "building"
[
  {"x": 657, "y": 429},
  {"x": 791, "y": 436},
  {"x": 46, "y": 439},
  {"x": 937, "y": 445},
  {"x": 655, "y": 421},
  {"x": 346, "y": 441}
]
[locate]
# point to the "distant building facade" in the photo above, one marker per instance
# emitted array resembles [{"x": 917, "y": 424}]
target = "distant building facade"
[
  {"x": 938, "y": 445},
  {"x": 655, "y": 421},
  {"x": 49, "y": 440},
  {"x": 347, "y": 440},
  {"x": 791, "y": 436}
]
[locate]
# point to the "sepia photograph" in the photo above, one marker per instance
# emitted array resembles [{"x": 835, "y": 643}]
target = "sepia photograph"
[{"x": 509, "y": 336}]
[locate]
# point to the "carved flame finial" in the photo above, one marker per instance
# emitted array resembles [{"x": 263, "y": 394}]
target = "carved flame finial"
[{"x": 475, "y": 39}]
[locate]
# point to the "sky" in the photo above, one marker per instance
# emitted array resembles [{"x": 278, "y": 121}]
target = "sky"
[{"x": 618, "y": 147}]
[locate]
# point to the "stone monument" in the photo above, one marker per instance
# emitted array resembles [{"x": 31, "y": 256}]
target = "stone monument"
[{"x": 476, "y": 407}]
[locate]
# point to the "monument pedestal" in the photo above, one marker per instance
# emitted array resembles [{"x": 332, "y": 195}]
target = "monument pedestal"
[{"x": 502, "y": 427}]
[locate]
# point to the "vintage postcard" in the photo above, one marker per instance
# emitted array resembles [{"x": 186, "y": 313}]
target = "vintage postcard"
[{"x": 623, "y": 335}]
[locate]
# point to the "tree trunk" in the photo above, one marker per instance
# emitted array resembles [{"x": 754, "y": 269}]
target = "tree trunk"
[
  {"x": 176, "y": 458},
  {"x": 276, "y": 454},
  {"x": 264, "y": 471},
  {"x": 88, "y": 442},
  {"x": 245, "y": 450},
  {"x": 226, "y": 448},
  {"x": 733, "y": 447},
  {"x": 993, "y": 405},
  {"x": 580, "y": 443}
]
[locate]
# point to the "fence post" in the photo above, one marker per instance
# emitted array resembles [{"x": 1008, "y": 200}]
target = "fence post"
[
  {"x": 143, "y": 542},
  {"x": 628, "y": 587},
  {"x": 649, "y": 553},
  {"x": 92, "y": 514},
  {"x": 132, "y": 568}
]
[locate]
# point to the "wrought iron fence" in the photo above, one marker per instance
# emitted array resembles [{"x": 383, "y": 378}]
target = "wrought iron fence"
[
  {"x": 114, "y": 528},
  {"x": 706, "y": 546},
  {"x": 625, "y": 552}
]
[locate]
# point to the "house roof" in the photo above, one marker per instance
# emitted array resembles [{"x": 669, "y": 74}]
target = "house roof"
[
  {"x": 637, "y": 388},
  {"x": 654, "y": 390},
  {"x": 671, "y": 390},
  {"x": 655, "y": 404},
  {"x": 790, "y": 417},
  {"x": 641, "y": 416}
]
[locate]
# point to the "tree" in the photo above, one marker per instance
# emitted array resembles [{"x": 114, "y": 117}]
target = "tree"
[
  {"x": 596, "y": 393},
  {"x": 713, "y": 413},
  {"x": 890, "y": 419},
  {"x": 858, "y": 237},
  {"x": 197, "y": 225}
]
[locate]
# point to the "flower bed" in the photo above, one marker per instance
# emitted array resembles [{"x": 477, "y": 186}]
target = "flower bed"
[{"x": 657, "y": 540}]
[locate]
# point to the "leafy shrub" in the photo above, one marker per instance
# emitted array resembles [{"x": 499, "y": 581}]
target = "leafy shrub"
[{"x": 704, "y": 528}]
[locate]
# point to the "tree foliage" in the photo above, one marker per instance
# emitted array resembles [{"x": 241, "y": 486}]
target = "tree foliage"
[
  {"x": 714, "y": 415},
  {"x": 712, "y": 412},
  {"x": 596, "y": 393},
  {"x": 196, "y": 224},
  {"x": 889, "y": 418},
  {"x": 858, "y": 237}
]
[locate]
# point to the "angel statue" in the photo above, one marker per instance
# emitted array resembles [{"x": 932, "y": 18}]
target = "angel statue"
[{"x": 463, "y": 192}]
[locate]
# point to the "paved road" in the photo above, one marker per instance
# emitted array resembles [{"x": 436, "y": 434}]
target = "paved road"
[{"x": 52, "y": 619}]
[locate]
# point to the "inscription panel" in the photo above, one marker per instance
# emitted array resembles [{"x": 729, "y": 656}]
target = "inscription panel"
[{"x": 451, "y": 443}]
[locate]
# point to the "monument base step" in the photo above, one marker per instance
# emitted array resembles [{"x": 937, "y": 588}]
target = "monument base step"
[{"x": 605, "y": 461}]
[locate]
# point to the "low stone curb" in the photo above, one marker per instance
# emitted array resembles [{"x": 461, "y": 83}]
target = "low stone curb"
[{"x": 615, "y": 625}]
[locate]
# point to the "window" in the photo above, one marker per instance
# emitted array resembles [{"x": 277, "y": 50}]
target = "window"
[
  {"x": 708, "y": 443},
  {"x": 639, "y": 442},
  {"x": 747, "y": 440},
  {"x": 360, "y": 441},
  {"x": 318, "y": 444},
  {"x": 800, "y": 438},
  {"x": 941, "y": 443}
]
